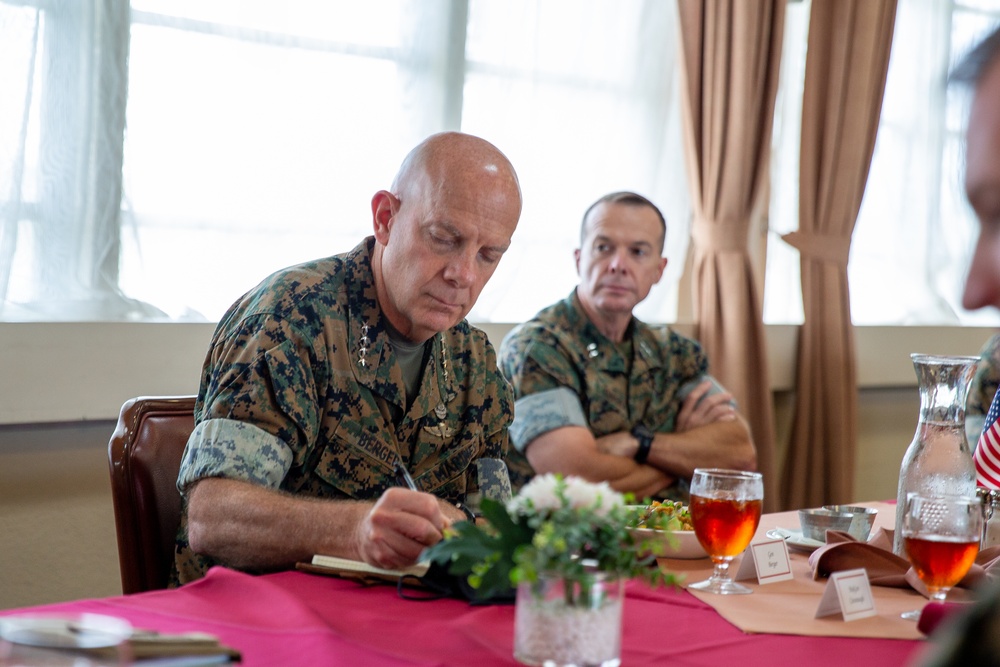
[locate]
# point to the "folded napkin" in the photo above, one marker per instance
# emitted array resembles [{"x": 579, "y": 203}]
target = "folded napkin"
[
  {"x": 843, "y": 552},
  {"x": 935, "y": 613}
]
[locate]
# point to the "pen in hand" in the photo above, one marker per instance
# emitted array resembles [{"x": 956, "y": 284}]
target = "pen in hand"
[{"x": 404, "y": 475}]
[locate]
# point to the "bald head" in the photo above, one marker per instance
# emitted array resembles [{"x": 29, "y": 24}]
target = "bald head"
[
  {"x": 441, "y": 231},
  {"x": 448, "y": 160}
]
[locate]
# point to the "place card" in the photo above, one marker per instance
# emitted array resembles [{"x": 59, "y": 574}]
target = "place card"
[
  {"x": 767, "y": 560},
  {"x": 848, "y": 593}
]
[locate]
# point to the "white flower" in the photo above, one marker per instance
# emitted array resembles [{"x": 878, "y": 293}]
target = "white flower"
[
  {"x": 538, "y": 494},
  {"x": 607, "y": 500},
  {"x": 587, "y": 495},
  {"x": 549, "y": 492}
]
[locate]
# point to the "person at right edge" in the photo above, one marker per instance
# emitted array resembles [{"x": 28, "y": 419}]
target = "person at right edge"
[{"x": 972, "y": 636}]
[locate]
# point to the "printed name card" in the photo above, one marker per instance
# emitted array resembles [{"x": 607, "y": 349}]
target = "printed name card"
[
  {"x": 848, "y": 593},
  {"x": 767, "y": 560}
]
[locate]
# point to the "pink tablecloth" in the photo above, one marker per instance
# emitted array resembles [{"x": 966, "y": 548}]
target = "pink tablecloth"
[{"x": 293, "y": 618}]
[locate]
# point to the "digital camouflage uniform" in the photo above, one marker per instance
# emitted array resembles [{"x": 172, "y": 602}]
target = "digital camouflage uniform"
[
  {"x": 986, "y": 379},
  {"x": 301, "y": 392},
  {"x": 567, "y": 373},
  {"x": 982, "y": 389}
]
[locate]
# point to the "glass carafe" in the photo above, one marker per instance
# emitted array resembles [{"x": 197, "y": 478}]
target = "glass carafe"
[{"x": 938, "y": 460}]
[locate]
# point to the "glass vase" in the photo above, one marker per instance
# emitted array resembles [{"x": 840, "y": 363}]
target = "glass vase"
[
  {"x": 938, "y": 460},
  {"x": 563, "y": 623}
]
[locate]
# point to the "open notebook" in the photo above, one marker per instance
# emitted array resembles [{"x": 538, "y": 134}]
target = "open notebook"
[{"x": 355, "y": 569}]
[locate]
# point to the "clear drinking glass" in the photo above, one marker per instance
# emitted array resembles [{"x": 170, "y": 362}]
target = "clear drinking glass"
[
  {"x": 725, "y": 510},
  {"x": 941, "y": 535}
]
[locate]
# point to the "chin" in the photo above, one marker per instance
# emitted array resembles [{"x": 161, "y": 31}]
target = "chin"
[
  {"x": 449, "y": 322},
  {"x": 613, "y": 305},
  {"x": 436, "y": 323}
]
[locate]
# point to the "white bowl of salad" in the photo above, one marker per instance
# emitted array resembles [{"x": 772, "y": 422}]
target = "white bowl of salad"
[{"x": 666, "y": 526}]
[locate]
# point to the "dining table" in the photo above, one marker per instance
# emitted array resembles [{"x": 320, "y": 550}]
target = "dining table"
[{"x": 294, "y": 618}]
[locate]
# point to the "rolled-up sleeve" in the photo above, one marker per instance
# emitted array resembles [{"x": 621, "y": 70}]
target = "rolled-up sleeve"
[
  {"x": 234, "y": 450},
  {"x": 691, "y": 385},
  {"x": 542, "y": 412}
]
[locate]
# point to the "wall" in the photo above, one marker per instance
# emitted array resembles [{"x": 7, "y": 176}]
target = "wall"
[
  {"x": 63, "y": 385},
  {"x": 56, "y": 517}
]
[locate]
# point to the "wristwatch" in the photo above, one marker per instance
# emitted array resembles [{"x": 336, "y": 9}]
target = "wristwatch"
[{"x": 645, "y": 438}]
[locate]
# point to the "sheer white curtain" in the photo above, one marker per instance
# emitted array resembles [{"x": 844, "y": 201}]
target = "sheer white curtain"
[{"x": 61, "y": 124}]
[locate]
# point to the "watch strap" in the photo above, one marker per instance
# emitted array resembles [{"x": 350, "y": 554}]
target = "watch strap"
[
  {"x": 469, "y": 514},
  {"x": 645, "y": 438}
]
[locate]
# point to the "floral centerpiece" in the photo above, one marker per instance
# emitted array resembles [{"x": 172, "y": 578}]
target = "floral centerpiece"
[{"x": 566, "y": 545}]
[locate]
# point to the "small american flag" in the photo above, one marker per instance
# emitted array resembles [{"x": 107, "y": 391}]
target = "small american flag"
[{"x": 987, "y": 455}]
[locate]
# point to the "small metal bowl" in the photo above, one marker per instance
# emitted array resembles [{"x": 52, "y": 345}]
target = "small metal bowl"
[
  {"x": 815, "y": 522},
  {"x": 863, "y": 518}
]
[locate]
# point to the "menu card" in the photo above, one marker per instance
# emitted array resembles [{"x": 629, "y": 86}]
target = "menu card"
[{"x": 848, "y": 593}]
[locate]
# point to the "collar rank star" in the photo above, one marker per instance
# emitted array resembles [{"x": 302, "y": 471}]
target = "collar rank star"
[
  {"x": 441, "y": 429},
  {"x": 363, "y": 344},
  {"x": 444, "y": 372}
]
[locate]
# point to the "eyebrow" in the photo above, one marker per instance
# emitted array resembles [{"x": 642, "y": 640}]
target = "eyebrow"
[{"x": 602, "y": 237}]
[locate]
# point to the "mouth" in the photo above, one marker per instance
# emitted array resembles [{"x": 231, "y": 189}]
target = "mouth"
[
  {"x": 616, "y": 288},
  {"x": 444, "y": 304}
]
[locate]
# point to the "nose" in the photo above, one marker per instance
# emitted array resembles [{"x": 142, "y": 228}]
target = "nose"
[
  {"x": 619, "y": 262},
  {"x": 982, "y": 284},
  {"x": 461, "y": 269}
]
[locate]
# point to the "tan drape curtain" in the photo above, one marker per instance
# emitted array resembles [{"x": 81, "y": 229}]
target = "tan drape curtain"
[
  {"x": 731, "y": 50},
  {"x": 846, "y": 64}
]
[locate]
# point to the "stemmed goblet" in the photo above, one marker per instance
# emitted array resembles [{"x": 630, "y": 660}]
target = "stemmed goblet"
[
  {"x": 725, "y": 510},
  {"x": 941, "y": 535}
]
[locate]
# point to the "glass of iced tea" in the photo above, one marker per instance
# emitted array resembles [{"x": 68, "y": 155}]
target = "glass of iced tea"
[
  {"x": 725, "y": 510},
  {"x": 941, "y": 535}
]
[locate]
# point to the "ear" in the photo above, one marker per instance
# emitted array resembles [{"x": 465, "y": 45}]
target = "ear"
[
  {"x": 663, "y": 266},
  {"x": 576, "y": 260},
  {"x": 384, "y": 208}
]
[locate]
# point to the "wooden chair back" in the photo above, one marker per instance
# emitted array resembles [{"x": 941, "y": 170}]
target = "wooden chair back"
[{"x": 144, "y": 455}]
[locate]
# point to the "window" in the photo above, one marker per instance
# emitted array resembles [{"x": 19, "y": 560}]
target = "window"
[
  {"x": 298, "y": 122},
  {"x": 915, "y": 232},
  {"x": 160, "y": 157}
]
